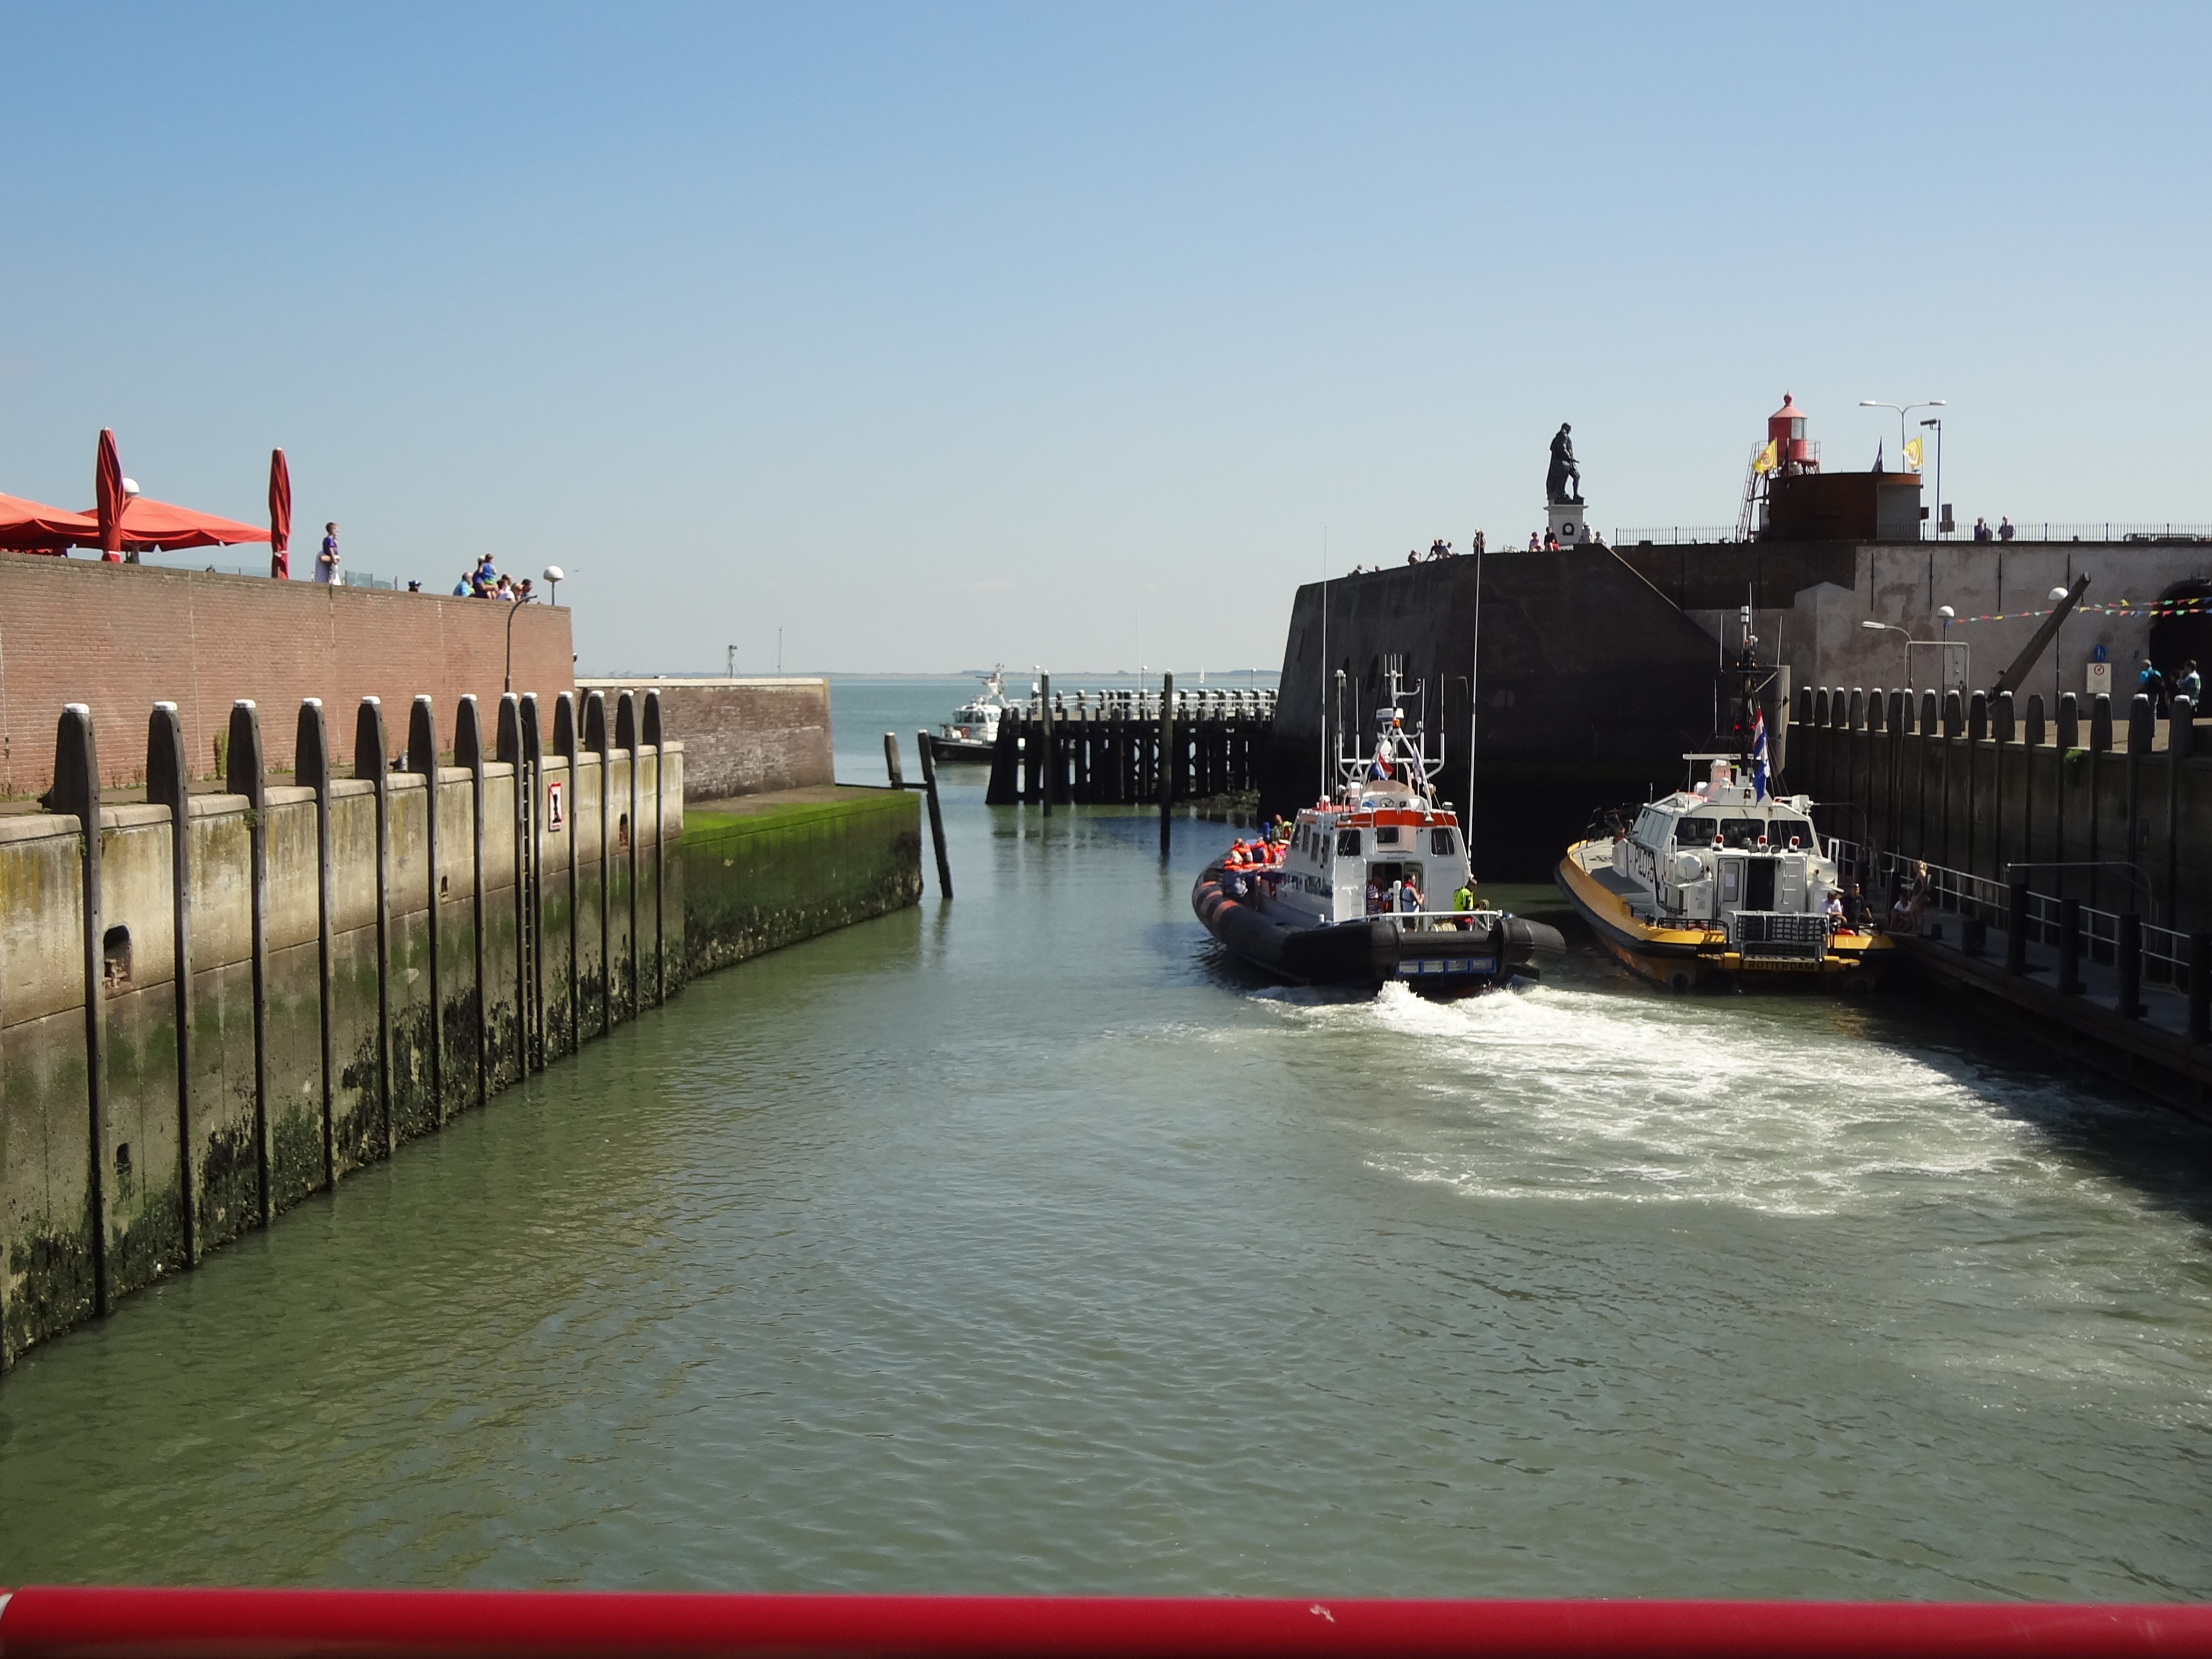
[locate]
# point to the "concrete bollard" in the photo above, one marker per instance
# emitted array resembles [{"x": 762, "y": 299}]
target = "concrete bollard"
[
  {"x": 2035, "y": 721},
  {"x": 1167, "y": 747},
  {"x": 2000, "y": 718},
  {"x": 1977, "y": 718},
  {"x": 2130, "y": 966},
  {"x": 168, "y": 783},
  {"x": 2016, "y": 929},
  {"x": 2200, "y": 987},
  {"x": 2142, "y": 725},
  {"x": 2100, "y": 724},
  {"x": 370, "y": 766},
  {"x": 2180, "y": 730},
  {"x": 311, "y": 769},
  {"x": 2069, "y": 722},
  {"x": 76, "y": 792},
  {"x": 2069, "y": 947},
  {"x": 1954, "y": 723}
]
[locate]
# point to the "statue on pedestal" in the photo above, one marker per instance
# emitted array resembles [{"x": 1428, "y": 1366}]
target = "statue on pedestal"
[{"x": 1563, "y": 470}]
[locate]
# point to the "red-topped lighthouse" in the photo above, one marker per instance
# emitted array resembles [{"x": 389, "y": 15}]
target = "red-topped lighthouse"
[{"x": 1785, "y": 430}]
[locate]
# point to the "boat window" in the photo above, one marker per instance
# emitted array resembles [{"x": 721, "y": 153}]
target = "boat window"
[
  {"x": 1386, "y": 835},
  {"x": 1742, "y": 833},
  {"x": 1440, "y": 843},
  {"x": 1787, "y": 824},
  {"x": 1696, "y": 832},
  {"x": 1347, "y": 842}
]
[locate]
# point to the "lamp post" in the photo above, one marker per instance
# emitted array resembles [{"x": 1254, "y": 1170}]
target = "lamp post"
[
  {"x": 2057, "y": 647},
  {"x": 554, "y": 577},
  {"x": 1942, "y": 507},
  {"x": 1903, "y": 410}
]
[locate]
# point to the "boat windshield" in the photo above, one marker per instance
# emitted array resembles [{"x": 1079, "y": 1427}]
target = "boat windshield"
[{"x": 1696, "y": 832}]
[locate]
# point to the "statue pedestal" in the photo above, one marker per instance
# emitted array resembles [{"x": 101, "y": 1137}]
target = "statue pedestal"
[{"x": 1567, "y": 521}]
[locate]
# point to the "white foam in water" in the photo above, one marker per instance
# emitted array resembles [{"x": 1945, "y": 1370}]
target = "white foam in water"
[{"x": 1554, "y": 1095}]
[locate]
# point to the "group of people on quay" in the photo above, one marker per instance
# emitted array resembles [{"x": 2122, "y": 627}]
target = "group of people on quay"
[
  {"x": 2153, "y": 684},
  {"x": 485, "y": 582}
]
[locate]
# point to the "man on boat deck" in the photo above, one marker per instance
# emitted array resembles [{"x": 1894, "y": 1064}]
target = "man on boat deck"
[
  {"x": 1373, "y": 898},
  {"x": 1463, "y": 900},
  {"x": 1409, "y": 895}
]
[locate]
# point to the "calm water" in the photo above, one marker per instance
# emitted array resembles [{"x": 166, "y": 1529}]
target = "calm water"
[{"x": 1022, "y": 1245}]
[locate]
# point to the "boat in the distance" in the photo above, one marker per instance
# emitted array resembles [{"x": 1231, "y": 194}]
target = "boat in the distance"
[
  {"x": 1721, "y": 884},
  {"x": 1362, "y": 891},
  {"x": 974, "y": 727}
]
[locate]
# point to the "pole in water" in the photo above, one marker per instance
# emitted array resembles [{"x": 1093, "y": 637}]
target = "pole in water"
[
  {"x": 1050, "y": 763},
  {"x": 1167, "y": 760},
  {"x": 928, "y": 748},
  {"x": 891, "y": 761}
]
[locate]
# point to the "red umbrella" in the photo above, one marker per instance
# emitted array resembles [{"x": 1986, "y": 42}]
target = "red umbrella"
[
  {"x": 280, "y": 516},
  {"x": 32, "y": 527},
  {"x": 150, "y": 526},
  {"x": 107, "y": 480}
]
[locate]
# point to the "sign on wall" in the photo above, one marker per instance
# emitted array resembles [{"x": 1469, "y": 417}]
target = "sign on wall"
[
  {"x": 2100, "y": 679},
  {"x": 555, "y": 813}
]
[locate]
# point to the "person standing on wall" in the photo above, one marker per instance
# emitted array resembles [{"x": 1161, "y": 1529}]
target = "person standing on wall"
[{"x": 326, "y": 561}]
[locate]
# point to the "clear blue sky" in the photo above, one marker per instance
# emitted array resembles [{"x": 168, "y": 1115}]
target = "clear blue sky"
[{"x": 942, "y": 335}]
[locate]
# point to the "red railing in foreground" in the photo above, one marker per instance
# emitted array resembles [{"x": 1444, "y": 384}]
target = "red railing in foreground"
[{"x": 48, "y": 1621}]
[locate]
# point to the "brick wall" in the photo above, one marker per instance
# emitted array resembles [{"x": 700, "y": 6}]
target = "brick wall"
[
  {"x": 121, "y": 637},
  {"x": 742, "y": 737}
]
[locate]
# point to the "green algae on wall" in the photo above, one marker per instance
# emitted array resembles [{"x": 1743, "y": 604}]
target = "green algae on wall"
[{"x": 755, "y": 881}]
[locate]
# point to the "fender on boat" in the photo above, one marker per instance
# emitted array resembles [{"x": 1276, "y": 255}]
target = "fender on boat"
[{"x": 1370, "y": 949}]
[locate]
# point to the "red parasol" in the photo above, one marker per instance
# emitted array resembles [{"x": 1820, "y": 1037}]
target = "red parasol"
[
  {"x": 150, "y": 526},
  {"x": 32, "y": 527},
  {"x": 107, "y": 480},
  {"x": 280, "y": 516}
]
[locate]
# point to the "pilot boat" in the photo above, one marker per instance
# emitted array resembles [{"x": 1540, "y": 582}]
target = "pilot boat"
[
  {"x": 974, "y": 727},
  {"x": 1721, "y": 882},
  {"x": 1361, "y": 892}
]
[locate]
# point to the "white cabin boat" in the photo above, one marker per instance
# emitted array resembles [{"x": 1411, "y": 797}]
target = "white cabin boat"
[
  {"x": 974, "y": 727},
  {"x": 1363, "y": 888}
]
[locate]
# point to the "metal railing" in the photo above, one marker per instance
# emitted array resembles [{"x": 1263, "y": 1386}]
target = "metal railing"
[
  {"x": 1962, "y": 893},
  {"x": 1640, "y": 535},
  {"x": 2108, "y": 530}
]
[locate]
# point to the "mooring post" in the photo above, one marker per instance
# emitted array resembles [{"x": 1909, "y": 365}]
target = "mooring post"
[
  {"x": 369, "y": 765},
  {"x": 2016, "y": 929},
  {"x": 891, "y": 767},
  {"x": 1167, "y": 749},
  {"x": 2129, "y": 966},
  {"x": 2069, "y": 947},
  {"x": 928, "y": 749},
  {"x": 1049, "y": 753},
  {"x": 311, "y": 769},
  {"x": 2200, "y": 987},
  {"x": 168, "y": 783},
  {"x": 243, "y": 775},
  {"x": 76, "y": 792}
]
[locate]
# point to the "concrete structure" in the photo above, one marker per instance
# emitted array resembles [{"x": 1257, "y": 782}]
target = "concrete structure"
[
  {"x": 1593, "y": 685},
  {"x": 742, "y": 737},
  {"x": 2039, "y": 828},
  {"x": 1810, "y": 600},
  {"x": 116, "y": 637},
  {"x": 221, "y": 1002}
]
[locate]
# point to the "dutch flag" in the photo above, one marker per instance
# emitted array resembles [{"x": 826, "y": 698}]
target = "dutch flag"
[{"x": 1759, "y": 755}]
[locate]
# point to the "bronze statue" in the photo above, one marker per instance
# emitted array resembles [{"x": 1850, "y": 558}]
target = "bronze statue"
[{"x": 1563, "y": 469}]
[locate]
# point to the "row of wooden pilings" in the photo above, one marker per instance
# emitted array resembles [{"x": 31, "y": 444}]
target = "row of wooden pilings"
[{"x": 1127, "y": 748}]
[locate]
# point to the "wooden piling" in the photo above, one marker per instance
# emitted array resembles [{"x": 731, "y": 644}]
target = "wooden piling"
[
  {"x": 1167, "y": 744},
  {"x": 891, "y": 767},
  {"x": 928, "y": 749}
]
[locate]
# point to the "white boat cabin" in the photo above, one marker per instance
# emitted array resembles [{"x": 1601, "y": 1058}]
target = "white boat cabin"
[
  {"x": 1381, "y": 844},
  {"x": 1708, "y": 854}
]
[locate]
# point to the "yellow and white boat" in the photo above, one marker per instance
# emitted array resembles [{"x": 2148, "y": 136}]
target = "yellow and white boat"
[{"x": 1721, "y": 884}]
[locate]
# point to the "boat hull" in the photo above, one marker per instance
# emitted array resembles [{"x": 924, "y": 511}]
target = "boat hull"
[
  {"x": 962, "y": 749},
  {"x": 1687, "y": 958},
  {"x": 1373, "y": 949}
]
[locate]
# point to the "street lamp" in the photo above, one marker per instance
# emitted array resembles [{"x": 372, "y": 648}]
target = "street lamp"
[
  {"x": 554, "y": 577},
  {"x": 2057, "y": 647},
  {"x": 1942, "y": 507},
  {"x": 1903, "y": 410}
]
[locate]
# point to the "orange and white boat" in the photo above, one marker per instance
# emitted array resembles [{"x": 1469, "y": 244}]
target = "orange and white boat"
[{"x": 1363, "y": 888}]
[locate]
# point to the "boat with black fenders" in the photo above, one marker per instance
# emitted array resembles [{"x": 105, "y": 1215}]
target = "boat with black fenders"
[{"x": 1352, "y": 896}]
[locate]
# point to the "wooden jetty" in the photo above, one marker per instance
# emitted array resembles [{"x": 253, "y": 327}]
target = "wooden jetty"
[{"x": 1116, "y": 748}]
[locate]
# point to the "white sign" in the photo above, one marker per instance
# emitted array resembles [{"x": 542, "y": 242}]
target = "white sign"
[
  {"x": 555, "y": 816},
  {"x": 2100, "y": 679}
]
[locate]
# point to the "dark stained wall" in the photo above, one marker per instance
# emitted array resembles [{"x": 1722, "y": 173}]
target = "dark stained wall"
[{"x": 1593, "y": 685}]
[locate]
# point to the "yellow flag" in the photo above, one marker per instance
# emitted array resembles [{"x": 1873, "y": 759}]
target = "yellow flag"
[
  {"x": 1912, "y": 453},
  {"x": 1767, "y": 459}
]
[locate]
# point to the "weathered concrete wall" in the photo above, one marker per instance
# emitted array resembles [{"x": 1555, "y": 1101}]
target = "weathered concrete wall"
[
  {"x": 1593, "y": 686},
  {"x": 117, "y": 637},
  {"x": 1811, "y": 599},
  {"x": 757, "y": 880},
  {"x": 743, "y": 736},
  {"x": 459, "y": 961},
  {"x": 2115, "y": 817},
  {"x": 126, "y": 1153}
]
